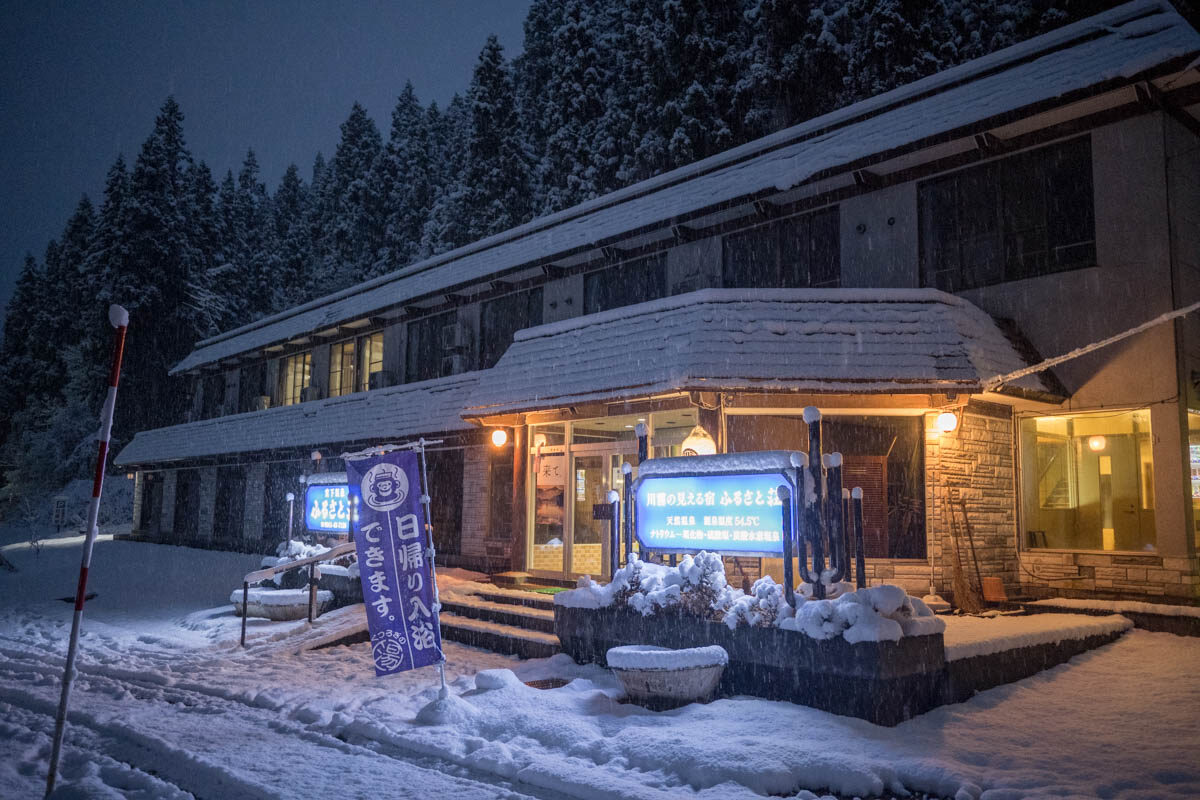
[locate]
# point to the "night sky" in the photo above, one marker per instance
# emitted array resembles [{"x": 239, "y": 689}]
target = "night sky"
[{"x": 82, "y": 82}]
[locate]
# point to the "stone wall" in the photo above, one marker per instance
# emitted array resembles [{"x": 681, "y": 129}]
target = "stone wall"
[
  {"x": 475, "y": 507},
  {"x": 1062, "y": 573},
  {"x": 971, "y": 469},
  {"x": 139, "y": 487}
]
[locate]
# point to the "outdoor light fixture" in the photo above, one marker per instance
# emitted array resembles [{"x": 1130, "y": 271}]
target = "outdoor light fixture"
[
  {"x": 1097, "y": 443},
  {"x": 699, "y": 443},
  {"x": 947, "y": 421},
  {"x": 499, "y": 437}
]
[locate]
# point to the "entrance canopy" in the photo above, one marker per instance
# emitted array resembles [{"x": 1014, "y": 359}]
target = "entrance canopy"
[{"x": 841, "y": 341}]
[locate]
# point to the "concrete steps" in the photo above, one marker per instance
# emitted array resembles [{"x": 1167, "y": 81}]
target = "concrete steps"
[{"x": 503, "y": 621}]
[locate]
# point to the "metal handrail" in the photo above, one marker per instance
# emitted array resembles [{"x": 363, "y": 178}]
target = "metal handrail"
[{"x": 270, "y": 572}]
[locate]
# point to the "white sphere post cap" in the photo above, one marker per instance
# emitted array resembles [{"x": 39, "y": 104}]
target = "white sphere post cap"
[
  {"x": 118, "y": 316},
  {"x": 812, "y": 414},
  {"x": 831, "y": 460},
  {"x": 613, "y": 496},
  {"x": 845, "y": 494},
  {"x": 856, "y": 493},
  {"x": 640, "y": 429},
  {"x": 627, "y": 468}
]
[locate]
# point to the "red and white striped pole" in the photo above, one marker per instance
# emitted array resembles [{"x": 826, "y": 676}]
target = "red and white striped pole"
[{"x": 119, "y": 318}]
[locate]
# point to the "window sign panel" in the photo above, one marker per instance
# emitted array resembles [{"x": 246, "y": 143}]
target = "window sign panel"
[
  {"x": 728, "y": 513},
  {"x": 327, "y": 508}
]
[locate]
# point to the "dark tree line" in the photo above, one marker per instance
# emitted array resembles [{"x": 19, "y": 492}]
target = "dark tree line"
[{"x": 604, "y": 94}]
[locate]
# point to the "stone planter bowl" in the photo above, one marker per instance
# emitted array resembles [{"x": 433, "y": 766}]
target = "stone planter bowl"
[
  {"x": 279, "y": 605},
  {"x": 661, "y": 678}
]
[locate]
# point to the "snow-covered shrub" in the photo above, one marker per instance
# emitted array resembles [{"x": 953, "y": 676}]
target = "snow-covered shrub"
[
  {"x": 879, "y": 613},
  {"x": 697, "y": 587},
  {"x": 764, "y": 607}
]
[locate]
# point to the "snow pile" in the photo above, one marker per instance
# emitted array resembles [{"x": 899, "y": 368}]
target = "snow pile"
[
  {"x": 1121, "y": 606},
  {"x": 967, "y": 637},
  {"x": 875, "y": 614},
  {"x": 697, "y": 586},
  {"x": 647, "y": 656},
  {"x": 280, "y": 597}
]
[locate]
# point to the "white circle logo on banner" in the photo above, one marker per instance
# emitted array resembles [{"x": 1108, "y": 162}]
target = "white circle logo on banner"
[{"x": 384, "y": 487}]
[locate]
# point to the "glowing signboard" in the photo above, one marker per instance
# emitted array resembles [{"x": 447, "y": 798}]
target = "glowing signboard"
[
  {"x": 728, "y": 513},
  {"x": 327, "y": 508}
]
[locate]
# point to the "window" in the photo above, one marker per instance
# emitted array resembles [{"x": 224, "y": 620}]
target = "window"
[
  {"x": 252, "y": 386},
  {"x": 370, "y": 358},
  {"x": 798, "y": 252},
  {"x": 424, "y": 357},
  {"x": 212, "y": 395},
  {"x": 297, "y": 376},
  {"x": 1019, "y": 217},
  {"x": 342, "y": 368},
  {"x": 625, "y": 284},
  {"x": 882, "y": 455},
  {"x": 503, "y": 317},
  {"x": 1087, "y": 481}
]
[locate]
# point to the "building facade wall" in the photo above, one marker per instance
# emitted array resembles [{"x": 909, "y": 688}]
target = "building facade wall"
[
  {"x": 256, "y": 481},
  {"x": 207, "y": 504},
  {"x": 475, "y": 506}
]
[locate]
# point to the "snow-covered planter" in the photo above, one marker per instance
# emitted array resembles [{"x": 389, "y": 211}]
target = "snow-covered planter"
[
  {"x": 660, "y": 678},
  {"x": 279, "y": 604},
  {"x": 876, "y": 654}
]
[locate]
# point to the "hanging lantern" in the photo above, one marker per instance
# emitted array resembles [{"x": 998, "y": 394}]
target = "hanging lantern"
[{"x": 699, "y": 443}]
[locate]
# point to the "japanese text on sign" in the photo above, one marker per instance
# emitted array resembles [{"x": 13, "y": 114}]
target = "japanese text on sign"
[
  {"x": 397, "y": 578},
  {"x": 327, "y": 508},
  {"x": 723, "y": 513}
]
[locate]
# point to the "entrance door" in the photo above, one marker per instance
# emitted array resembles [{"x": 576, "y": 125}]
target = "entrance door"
[{"x": 593, "y": 475}]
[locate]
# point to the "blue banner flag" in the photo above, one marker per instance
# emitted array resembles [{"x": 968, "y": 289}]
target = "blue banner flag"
[{"x": 393, "y": 561}]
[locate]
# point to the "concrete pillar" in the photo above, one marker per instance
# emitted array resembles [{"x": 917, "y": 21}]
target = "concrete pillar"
[
  {"x": 139, "y": 480},
  {"x": 170, "y": 482},
  {"x": 256, "y": 479},
  {"x": 207, "y": 503},
  {"x": 519, "y": 501}
]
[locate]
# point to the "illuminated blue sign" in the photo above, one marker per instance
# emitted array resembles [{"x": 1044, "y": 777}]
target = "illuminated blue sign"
[
  {"x": 728, "y": 513},
  {"x": 327, "y": 508}
]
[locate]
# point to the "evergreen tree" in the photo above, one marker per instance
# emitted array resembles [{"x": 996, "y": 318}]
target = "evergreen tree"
[
  {"x": 289, "y": 215},
  {"x": 404, "y": 184},
  {"x": 445, "y": 228},
  {"x": 259, "y": 258},
  {"x": 351, "y": 231},
  {"x": 497, "y": 174}
]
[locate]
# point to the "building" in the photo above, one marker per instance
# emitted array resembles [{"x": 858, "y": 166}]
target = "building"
[{"x": 883, "y": 262}]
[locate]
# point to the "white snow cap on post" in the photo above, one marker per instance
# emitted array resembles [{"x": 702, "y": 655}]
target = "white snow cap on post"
[
  {"x": 613, "y": 496},
  {"x": 831, "y": 460},
  {"x": 118, "y": 316},
  {"x": 812, "y": 414},
  {"x": 856, "y": 493}
]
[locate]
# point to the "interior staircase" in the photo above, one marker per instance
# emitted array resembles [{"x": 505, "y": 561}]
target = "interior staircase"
[{"x": 513, "y": 622}]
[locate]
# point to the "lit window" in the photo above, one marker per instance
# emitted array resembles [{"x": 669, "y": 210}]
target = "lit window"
[
  {"x": 370, "y": 358},
  {"x": 341, "y": 368},
  {"x": 1087, "y": 481},
  {"x": 297, "y": 376}
]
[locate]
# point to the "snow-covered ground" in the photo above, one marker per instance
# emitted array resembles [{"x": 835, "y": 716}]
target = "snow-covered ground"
[{"x": 166, "y": 705}]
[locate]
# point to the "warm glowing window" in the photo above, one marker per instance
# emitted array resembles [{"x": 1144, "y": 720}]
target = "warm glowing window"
[
  {"x": 370, "y": 358},
  {"x": 297, "y": 376},
  {"x": 341, "y": 368},
  {"x": 1087, "y": 481}
]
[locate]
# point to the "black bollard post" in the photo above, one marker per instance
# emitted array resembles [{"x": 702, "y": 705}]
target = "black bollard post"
[
  {"x": 848, "y": 527},
  {"x": 245, "y": 608},
  {"x": 789, "y": 588},
  {"x": 838, "y": 561},
  {"x": 614, "y": 534},
  {"x": 643, "y": 437},
  {"x": 812, "y": 501},
  {"x": 860, "y": 578},
  {"x": 627, "y": 519}
]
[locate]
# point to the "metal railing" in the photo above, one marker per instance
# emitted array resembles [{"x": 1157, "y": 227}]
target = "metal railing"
[{"x": 270, "y": 572}]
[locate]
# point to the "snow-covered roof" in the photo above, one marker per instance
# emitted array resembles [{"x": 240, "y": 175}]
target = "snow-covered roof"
[
  {"x": 427, "y": 407},
  {"x": 807, "y": 340},
  {"x": 1122, "y": 43}
]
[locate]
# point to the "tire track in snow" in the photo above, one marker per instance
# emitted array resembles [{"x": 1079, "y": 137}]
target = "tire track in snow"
[{"x": 232, "y": 725}]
